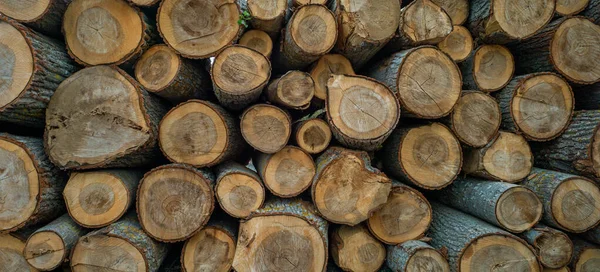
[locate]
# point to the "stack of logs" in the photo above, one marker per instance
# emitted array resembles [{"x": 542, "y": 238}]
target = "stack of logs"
[{"x": 300, "y": 135}]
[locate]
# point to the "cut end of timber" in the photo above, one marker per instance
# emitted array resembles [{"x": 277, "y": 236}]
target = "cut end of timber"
[
  {"x": 476, "y": 119},
  {"x": 157, "y": 68},
  {"x": 16, "y": 63},
  {"x": 239, "y": 194},
  {"x": 266, "y": 128},
  {"x": 313, "y": 135},
  {"x": 497, "y": 250},
  {"x": 25, "y": 11},
  {"x": 11, "y": 250},
  {"x": 428, "y": 259},
  {"x": 588, "y": 261},
  {"x": 257, "y": 40},
  {"x": 575, "y": 204},
  {"x": 103, "y": 252},
  {"x": 458, "y": 10},
  {"x": 293, "y": 90},
  {"x": 374, "y": 21},
  {"x": 570, "y": 7},
  {"x": 144, "y": 3},
  {"x": 212, "y": 249},
  {"x": 355, "y": 249},
  {"x": 518, "y": 209},
  {"x": 493, "y": 67},
  {"x": 574, "y": 45},
  {"x": 198, "y": 29},
  {"x": 289, "y": 172},
  {"x": 314, "y": 29},
  {"x": 45, "y": 250},
  {"x": 327, "y": 65},
  {"x": 297, "y": 3},
  {"x": 554, "y": 248},
  {"x": 424, "y": 22},
  {"x": 239, "y": 70},
  {"x": 520, "y": 19},
  {"x": 458, "y": 44}
]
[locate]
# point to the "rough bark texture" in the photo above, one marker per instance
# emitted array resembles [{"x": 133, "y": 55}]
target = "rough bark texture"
[
  {"x": 592, "y": 11},
  {"x": 592, "y": 235},
  {"x": 398, "y": 257},
  {"x": 587, "y": 97},
  {"x": 553, "y": 247},
  {"x": 50, "y": 21}
]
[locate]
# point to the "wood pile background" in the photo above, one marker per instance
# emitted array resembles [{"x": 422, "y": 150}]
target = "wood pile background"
[{"x": 300, "y": 135}]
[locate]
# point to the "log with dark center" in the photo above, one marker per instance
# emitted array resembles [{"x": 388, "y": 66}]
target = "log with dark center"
[
  {"x": 287, "y": 173},
  {"x": 458, "y": 44},
  {"x": 293, "y": 90},
  {"x": 488, "y": 68},
  {"x": 355, "y": 249},
  {"x": 257, "y": 40},
  {"x": 312, "y": 135},
  {"x": 414, "y": 255},
  {"x": 553, "y": 247}
]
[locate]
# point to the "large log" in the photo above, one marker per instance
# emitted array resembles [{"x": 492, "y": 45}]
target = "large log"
[
  {"x": 355, "y": 249},
  {"x": 571, "y": 203},
  {"x": 121, "y": 246},
  {"x": 321, "y": 70},
  {"x": 285, "y": 235},
  {"x": 33, "y": 66},
  {"x": 211, "y": 249},
  {"x": 570, "y": 7},
  {"x": 95, "y": 199},
  {"x": 44, "y": 16},
  {"x": 30, "y": 185},
  {"x": 474, "y": 245},
  {"x": 553, "y": 247},
  {"x": 428, "y": 156},
  {"x": 346, "y": 188},
  {"x": 11, "y": 250},
  {"x": 257, "y": 40},
  {"x": 488, "y": 68},
  {"x": 426, "y": 81},
  {"x": 266, "y": 128},
  {"x": 586, "y": 256},
  {"x": 100, "y": 117},
  {"x": 458, "y": 10},
  {"x": 415, "y": 255},
  {"x": 293, "y": 90},
  {"x": 175, "y": 201},
  {"x": 361, "y": 112},
  {"x": 405, "y": 216},
  {"x": 458, "y": 44},
  {"x": 267, "y": 15},
  {"x": 538, "y": 106},
  {"x": 313, "y": 135},
  {"x": 507, "y": 158},
  {"x": 238, "y": 190},
  {"x": 592, "y": 11},
  {"x": 287, "y": 173}
]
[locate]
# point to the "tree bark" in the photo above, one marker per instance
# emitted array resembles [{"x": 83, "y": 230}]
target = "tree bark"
[
  {"x": 266, "y": 128},
  {"x": 414, "y": 255},
  {"x": 239, "y": 190},
  {"x": 43, "y": 16},
  {"x": 587, "y": 97},
  {"x": 458, "y": 44},
  {"x": 211, "y": 249},
  {"x": 458, "y": 10},
  {"x": 553, "y": 247},
  {"x": 592, "y": 11},
  {"x": 313, "y": 135},
  {"x": 293, "y": 90},
  {"x": 257, "y": 40},
  {"x": 322, "y": 69},
  {"x": 268, "y": 15},
  {"x": 287, "y": 173},
  {"x": 488, "y": 68},
  {"x": 585, "y": 255},
  {"x": 355, "y": 249}
]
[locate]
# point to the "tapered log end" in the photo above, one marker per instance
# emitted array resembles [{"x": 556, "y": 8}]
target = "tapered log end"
[
  {"x": 45, "y": 250},
  {"x": 157, "y": 68},
  {"x": 496, "y": 250},
  {"x": 16, "y": 63},
  {"x": 518, "y": 209},
  {"x": 211, "y": 249},
  {"x": 326, "y": 66},
  {"x": 11, "y": 250},
  {"x": 575, "y": 204},
  {"x": 573, "y": 59},
  {"x": 458, "y": 44},
  {"x": 458, "y": 10},
  {"x": 355, "y": 249},
  {"x": 313, "y": 135},
  {"x": 266, "y": 128},
  {"x": 257, "y": 40}
]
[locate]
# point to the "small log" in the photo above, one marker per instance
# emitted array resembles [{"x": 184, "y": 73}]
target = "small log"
[
  {"x": 48, "y": 247},
  {"x": 570, "y": 7},
  {"x": 507, "y": 158},
  {"x": 364, "y": 28},
  {"x": 552, "y": 49},
  {"x": 355, "y": 249},
  {"x": 200, "y": 133},
  {"x": 427, "y": 82},
  {"x": 502, "y": 21},
  {"x": 175, "y": 201},
  {"x": 427, "y": 156},
  {"x": 30, "y": 185},
  {"x": 475, "y": 119},
  {"x": 162, "y": 72},
  {"x": 287, "y": 173},
  {"x": 43, "y": 16},
  {"x": 458, "y": 10},
  {"x": 239, "y": 75},
  {"x": 11, "y": 250},
  {"x": 121, "y": 246},
  {"x": 266, "y": 128},
  {"x": 33, "y": 66},
  {"x": 257, "y": 40},
  {"x": 211, "y": 249},
  {"x": 327, "y": 65},
  {"x": 488, "y": 68},
  {"x": 285, "y": 235},
  {"x": 571, "y": 203},
  {"x": 347, "y": 189},
  {"x": 267, "y": 15},
  {"x": 144, "y": 3},
  {"x": 592, "y": 11},
  {"x": 553, "y": 247},
  {"x": 310, "y": 33},
  {"x": 361, "y": 112},
  {"x": 473, "y": 245},
  {"x": 96, "y": 199},
  {"x": 199, "y": 29},
  {"x": 509, "y": 206},
  {"x": 405, "y": 216},
  {"x": 458, "y": 44},
  {"x": 587, "y": 97},
  {"x": 297, "y": 3},
  {"x": 415, "y": 255},
  {"x": 293, "y": 90},
  {"x": 312, "y": 135},
  {"x": 586, "y": 256},
  {"x": 100, "y": 117},
  {"x": 239, "y": 190}
]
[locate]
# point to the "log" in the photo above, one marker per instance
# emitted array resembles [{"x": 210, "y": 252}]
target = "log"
[
  {"x": 144, "y": 3},
  {"x": 562, "y": 269},
  {"x": 458, "y": 10},
  {"x": 266, "y": 128},
  {"x": 285, "y": 235},
  {"x": 586, "y": 256},
  {"x": 48, "y": 247},
  {"x": 427, "y": 156},
  {"x": 322, "y": 69},
  {"x": 538, "y": 106},
  {"x": 365, "y": 27},
  {"x": 100, "y": 117},
  {"x": 574, "y": 151},
  {"x": 200, "y": 133},
  {"x": 32, "y": 67},
  {"x": 287, "y": 173},
  {"x": 592, "y": 11},
  {"x": 211, "y": 249},
  {"x": 297, "y": 3},
  {"x": 293, "y": 90},
  {"x": 267, "y": 15},
  {"x": 361, "y": 111},
  {"x": 458, "y": 44},
  {"x": 121, "y": 246},
  {"x": 427, "y": 82},
  {"x": 98, "y": 198},
  {"x": 30, "y": 185},
  {"x": 199, "y": 29},
  {"x": 553, "y": 49},
  {"x": 592, "y": 235},
  {"x": 239, "y": 190},
  {"x": 257, "y": 40},
  {"x": 355, "y": 249},
  {"x": 175, "y": 201},
  {"x": 405, "y": 216},
  {"x": 43, "y": 16},
  {"x": 11, "y": 250},
  {"x": 414, "y": 255},
  {"x": 239, "y": 75},
  {"x": 587, "y": 97},
  {"x": 571, "y": 203},
  {"x": 310, "y": 33},
  {"x": 502, "y": 21},
  {"x": 553, "y": 247},
  {"x": 507, "y": 158},
  {"x": 312, "y": 135},
  {"x": 347, "y": 189},
  {"x": 488, "y": 68},
  {"x": 509, "y": 206},
  {"x": 475, "y": 119},
  {"x": 570, "y": 7},
  {"x": 164, "y": 73},
  {"x": 474, "y": 245}
]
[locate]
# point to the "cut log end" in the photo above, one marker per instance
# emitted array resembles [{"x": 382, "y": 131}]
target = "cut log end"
[
  {"x": 157, "y": 68},
  {"x": 575, "y": 204},
  {"x": 266, "y": 128},
  {"x": 493, "y": 67},
  {"x": 288, "y": 172},
  {"x": 570, "y": 7},
  {"x": 45, "y": 250},
  {"x": 16, "y": 64},
  {"x": 11, "y": 250},
  {"x": 91, "y": 254},
  {"x": 458, "y": 44},
  {"x": 293, "y": 90},
  {"x": 212, "y": 249},
  {"x": 297, "y": 3},
  {"x": 476, "y": 119},
  {"x": 313, "y": 29},
  {"x": 518, "y": 209},
  {"x": 25, "y": 11},
  {"x": 355, "y": 249},
  {"x": 554, "y": 249},
  {"x": 324, "y": 68},
  {"x": 144, "y": 3},
  {"x": 257, "y": 40},
  {"x": 573, "y": 60},
  {"x": 313, "y": 135},
  {"x": 428, "y": 259},
  {"x": 424, "y": 22},
  {"x": 458, "y": 10},
  {"x": 520, "y": 19},
  {"x": 588, "y": 261},
  {"x": 496, "y": 250},
  {"x": 239, "y": 194}
]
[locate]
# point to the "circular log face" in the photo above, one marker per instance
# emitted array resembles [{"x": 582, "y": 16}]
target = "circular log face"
[
  {"x": 266, "y": 128},
  {"x": 198, "y": 28},
  {"x": 239, "y": 194},
  {"x": 45, "y": 250},
  {"x": 476, "y": 119},
  {"x": 542, "y": 106},
  {"x": 295, "y": 90},
  {"x": 24, "y": 10},
  {"x": 429, "y": 260},
  {"x": 11, "y": 254},
  {"x": 323, "y": 69},
  {"x": 267, "y": 9},
  {"x": 313, "y": 29},
  {"x": 146, "y": 3},
  {"x": 458, "y": 44},
  {"x": 589, "y": 260},
  {"x": 501, "y": 252},
  {"x": 555, "y": 249},
  {"x": 258, "y": 40},
  {"x": 16, "y": 63},
  {"x": 493, "y": 67},
  {"x": 313, "y": 136},
  {"x": 239, "y": 70},
  {"x": 374, "y": 20},
  {"x": 570, "y": 7},
  {"x": 157, "y": 67},
  {"x": 458, "y": 10},
  {"x": 19, "y": 185},
  {"x": 425, "y": 23},
  {"x": 174, "y": 202},
  {"x": 574, "y": 44},
  {"x": 212, "y": 249},
  {"x": 518, "y": 209},
  {"x": 106, "y": 253},
  {"x": 355, "y": 249},
  {"x": 576, "y": 204},
  {"x": 521, "y": 19},
  {"x": 289, "y": 172},
  {"x": 508, "y": 158}
]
